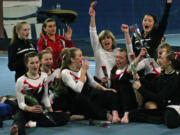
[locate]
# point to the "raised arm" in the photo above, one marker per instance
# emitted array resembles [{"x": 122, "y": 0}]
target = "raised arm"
[
  {"x": 125, "y": 29},
  {"x": 92, "y": 14},
  {"x": 93, "y": 32},
  {"x": 164, "y": 20}
]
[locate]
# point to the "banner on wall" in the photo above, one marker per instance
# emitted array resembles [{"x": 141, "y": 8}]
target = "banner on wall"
[{"x": 14, "y": 3}]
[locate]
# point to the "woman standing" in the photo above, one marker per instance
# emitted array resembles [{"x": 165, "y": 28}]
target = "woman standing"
[
  {"x": 49, "y": 39},
  {"x": 19, "y": 46}
]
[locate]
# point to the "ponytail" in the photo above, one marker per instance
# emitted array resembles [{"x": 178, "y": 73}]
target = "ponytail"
[
  {"x": 14, "y": 35},
  {"x": 67, "y": 58}
]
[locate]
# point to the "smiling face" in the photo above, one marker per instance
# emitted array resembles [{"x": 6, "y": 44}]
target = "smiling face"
[
  {"x": 50, "y": 28},
  {"x": 107, "y": 40},
  {"x": 33, "y": 65},
  {"x": 107, "y": 43},
  {"x": 23, "y": 32},
  {"x": 47, "y": 61},
  {"x": 121, "y": 59},
  {"x": 148, "y": 23}
]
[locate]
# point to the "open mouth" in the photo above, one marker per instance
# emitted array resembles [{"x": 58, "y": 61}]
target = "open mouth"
[
  {"x": 146, "y": 27},
  {"x": 35, "y": 69},
  {"x": 118, "y": 64},
  {"x": 107, "y": 44}
]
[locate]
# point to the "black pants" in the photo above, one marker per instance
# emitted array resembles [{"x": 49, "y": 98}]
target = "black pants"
[
  {"x": 106, "y": 100},
  {"x": 78, "y": 104},
  {"x": 169, "y": 117},
  {"x": 126, "y": 99},
  {"x": 21, "y": 117},
  {"x": 155, "y": 116},
  {"x": 1, "y": 122},
  {"x": 90, "y": 102}
]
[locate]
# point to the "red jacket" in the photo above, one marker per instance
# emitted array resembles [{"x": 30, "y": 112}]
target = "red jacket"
[{"x": 56, "y": 46}]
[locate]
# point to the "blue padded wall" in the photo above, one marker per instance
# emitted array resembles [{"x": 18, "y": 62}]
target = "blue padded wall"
[{"x": 110, "y": 14}]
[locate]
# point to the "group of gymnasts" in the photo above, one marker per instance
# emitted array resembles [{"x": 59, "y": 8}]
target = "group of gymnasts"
[{"x": 138, "y": 83}]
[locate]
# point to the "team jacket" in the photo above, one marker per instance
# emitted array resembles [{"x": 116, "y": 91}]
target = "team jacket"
[{"x": 16, "y": 52}]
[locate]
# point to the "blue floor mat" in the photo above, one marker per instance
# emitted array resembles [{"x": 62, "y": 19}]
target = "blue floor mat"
[
  {"x": 75, "y": 128},
  {"x": 7, "y": 85}
]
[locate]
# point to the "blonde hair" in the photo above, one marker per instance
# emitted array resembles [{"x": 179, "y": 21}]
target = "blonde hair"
[
  {"x": 107, "y": 33},
  {"x": 17, "y": 27}
]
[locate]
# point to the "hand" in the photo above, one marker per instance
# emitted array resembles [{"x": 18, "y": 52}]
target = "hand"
[
  {"x": 93, "y": 4},
  {"x": 104, "y": 79},
  {"x": 68, "y": 33},
  {"x": 92, "y": 12},
  {"x": 85, "y": 65},
  {"x": 36, "y": 109},
  {"x": 136, "y": 85},
  {"x": 169, "y": 1},
  {"x": 125, "y": 28}
]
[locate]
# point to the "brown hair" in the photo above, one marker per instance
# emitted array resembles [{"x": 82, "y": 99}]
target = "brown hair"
[
  {"x": 124, "y": 50},
  {"x": 46, "y": 22},
  {"x": 64, "y": 53},
  {"x": 166, "y": 46},
  {"x": 67, "y": 59},
  {"x": 29, "y": 55}
]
